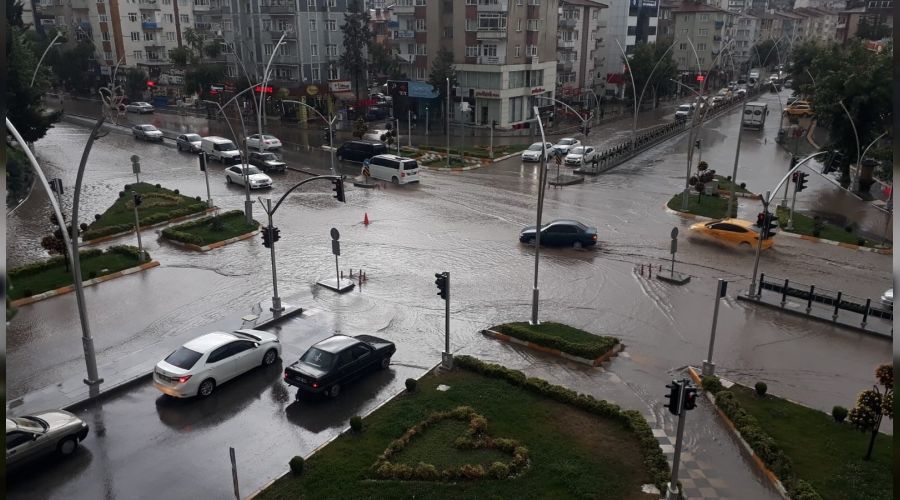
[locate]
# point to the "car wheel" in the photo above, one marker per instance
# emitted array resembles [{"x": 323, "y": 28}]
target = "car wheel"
[
  {"x": 270, "y": 357},
  {"x": 334, "y": 391},
  {"x": 228, "y": 180},
  {"x": 339, "y": 157},
  {"x": 385, "y": 362},
  {"x": 67, "y": 446},
  {"x": 395, "y": 180},
  {"x": 577, "y": 245},
  {"x": 745, "y": 245},
  {"x": 178, "y": 146},
  {"x": 206, "y": 388}
]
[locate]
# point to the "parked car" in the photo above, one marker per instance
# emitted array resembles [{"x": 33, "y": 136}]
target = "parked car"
[
  {"x": 741, "y": 92},
  {"x": 380, "y": 97},
  {"x": 799, "y": 109},
  {"x": 581, "y": 155},
  {"x": 266, "y": 161},
  {"x": 733, "y": 232},
  {"x": 533, "y": 153},
  {"x": 887, "y": 298},
  {"x": 375, "y": 113},
  {"x": 330, "y": 364},
  {"x": 684, "y": 111},
  {"x": 565, "y": 144},
  {"x": 717, "y": 100},
  {"x": 147, "y": 133},
  {"x": 268, "y": 142},
  {"x": 561, "y": 233},
  {"x": 258, "y": 180},
  {"x": 221, "y": 149},
  {"x": 43, "y": 433},
  {"x": 188, "y": 142},
  {"x": 393, "y": 168},
  {"x": 139, "y": 107},
  {"x": 360, "y": 151},
  {"x": 376, "y": 134},
  {"x": 208, "y": 361}
]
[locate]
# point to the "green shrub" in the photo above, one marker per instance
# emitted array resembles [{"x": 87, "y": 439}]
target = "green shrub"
[
  {"x": 801, "y": 490},
  {"x": 158, "y": 186},
  {"x": 83, "y": 226},
  {"x": 97, "y": 216},
  {"x": 356, "y": 424},
  {"x": 499, "y": 470},
  {"x": 411, "y": 384},
  {"x": 92, "y": 274},
  {"x": 592, "y": 350},
  {"x": 175, "y": 191},
  {"x": 839, "y": 413},
  {"x": 297, "y": 465},
  {"x": 121, "y": 194},
  {"x": 27, "y": 293},
  {"x": 711, "y": 384},
  {"x": 37, "y": 267},
  {"x": 761, "y": 388},
  {"x": 861, "y": 242},
  {"x": 128, "y": 251},
  {"x": 99, "y": 232}
]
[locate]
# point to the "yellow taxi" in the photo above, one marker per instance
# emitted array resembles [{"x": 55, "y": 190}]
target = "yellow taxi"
[
  {"x": 736, "y": 232},
  {"x": 799, "y": 109}
]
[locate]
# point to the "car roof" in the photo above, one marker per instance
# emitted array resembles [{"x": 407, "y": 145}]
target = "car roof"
[
  {"x": 210, "y": 341},
  {"x": 393, "y": 157},
  {"x": 215, "y": 138},
  {"x": 567, "y": 139},
  {"x": 737, "y": 222},
  {"x": 566, "y": 221},
  {"x": 336, "y": 343}
]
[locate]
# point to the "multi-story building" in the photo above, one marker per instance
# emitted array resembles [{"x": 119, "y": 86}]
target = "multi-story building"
[
  {"x": 629, "y": 23},
  {"x": 504, "y": 53},
  {"x": 874, "y": 12},
  {"x": 665, "y": 27},
  {"x": 709, "y": 29},
  {"x": 580, "y": 40},
  {"x": 746, "y": 36}
]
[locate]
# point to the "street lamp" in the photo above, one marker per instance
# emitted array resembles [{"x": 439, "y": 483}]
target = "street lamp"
[
  {"x": 41, "y": 60},
  {"x": 690, "y": 153},
  {"x": 262, "y": 91},
  {"x": 637, "y": 102},
  {"x": 248, "y": 204},
  {"x": 584, "y": 127},
  {"x": 542, "y": 178},
  {"x": 271, "y": 233},
  {"x": 330, "y": 129}
]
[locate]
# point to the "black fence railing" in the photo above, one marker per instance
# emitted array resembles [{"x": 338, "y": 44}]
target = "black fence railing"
[{"x": 836, "y": 299}]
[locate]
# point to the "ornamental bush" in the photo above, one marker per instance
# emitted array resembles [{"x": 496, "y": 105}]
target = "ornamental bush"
[
  {"x": 711, "y": 384},
  {"x": 761, "y": 388},
  {"x": 839, "y": 413},
  {"x": 356, "y": 424},
  {"x": 297, "y": 464},
  {"x": 411, "y": 384}
]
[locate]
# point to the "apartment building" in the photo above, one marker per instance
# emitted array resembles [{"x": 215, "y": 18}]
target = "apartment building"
[
  {"x": 709, "y": 29},
  {"x": 629, "y": 23},
  {"x": 504, "y": 53},
  {"x": 580, "y": 41},
  {"x": 874, "y": 12}
]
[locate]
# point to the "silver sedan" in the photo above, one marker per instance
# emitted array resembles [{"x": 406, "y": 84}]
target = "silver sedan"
[{"x": 32, "y": 436}]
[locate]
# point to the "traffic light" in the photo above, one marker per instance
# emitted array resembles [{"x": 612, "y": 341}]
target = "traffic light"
[
  {"x": 769, "y": 225},
  {"x": 794, "y": 177},
  {"x": 275, "y": 234},
  {"x": 266, "y": 237},
  {"x": 339, "y": 189},
  {"x": 202, "y": 157},
  {"x": 441, "y": 282},
  {"x": 138, "y": 199},
  {"x": 801, "y": 181},
  {"x": 794, "y": 161},
  {"x": 690, "y": 398},
  {"x": 674, "y": 397},
  {"x": 761, "y": 219},
  {"x": 326, "y": 134}
]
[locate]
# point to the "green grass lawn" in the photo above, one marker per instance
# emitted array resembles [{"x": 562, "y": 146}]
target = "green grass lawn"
[
  {"x": 573, "y": 454},
  {"x": 205, "y": 231},
  {"x": 805, "y": 225},
  {"x": 826, "y": 454},
  {"x": 455, "y": 161},
  {"x": 56, "y": 276},
  {"x": 559, "y": 336},
  {"x": 707, "y": 206},
  {"x": 725, "y": 185},
  {"x": 159, "y": 204}
]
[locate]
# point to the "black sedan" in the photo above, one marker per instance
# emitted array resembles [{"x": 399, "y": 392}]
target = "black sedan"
[
  {"x": 568, "y": 233},
  {"x": 267, "y": 162},
  {"x": 333, "y": 362}
]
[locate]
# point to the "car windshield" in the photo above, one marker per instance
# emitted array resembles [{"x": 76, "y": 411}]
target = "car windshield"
[
  {"x": 192, "y": 137},
  {"x": 269, "y": 137},
  {"x": 33, "y": 424},
  {"x": 684, "y": 107},
  {"x": 225, "y": 146},
  {"x": 535, "y": 147},
  {"x": 567, "y": 142},
  {"x": 250, "y": 170},
  {"x": 148, "y": 128},
  {"x": 318, "y": 358},
  {"x": 183, "y": 358},
  {"x": 141, "y": 104},
  {"x": 268, "y": 157},
  {"x": 577, "y": 151}
]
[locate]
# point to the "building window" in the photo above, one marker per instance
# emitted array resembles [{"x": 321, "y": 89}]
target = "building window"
[
  {"x": 312, "y": 25},
  {"x": 518, "y": 25},
  {"x": 701, "y": 46},
  {"x": 149, "y": 37},
  {"x": 135, "y": 36},
  {"x": 310, "y": 3},
  {"x": 531, "y": 50},
  {"x": 420, "y": 73},
  {"x": 420, "y": 49},
  {"x": 332, "y": 3},
  {"x": 518, "y": 50},
  {"x": 489, "y": 50},
  {"x": 704, "y": 17},
  {"x": 315, "y": 74},
  {"x": 185, "y": 19},
  {"x": 491, "y": 21},
  {"x": 333, "y": 73},
  {"x": 534, "y": 25},
  {"x": 472, "y": 51},
  {"x": 448, "y": 32},
  {"x": 703, "y": 32},
  {"x": 420, "y": 25},
  {"x": 104, "y": 35},
  {"x": 331, "y": 24},
  {"x": 267, "y": 48},
  {"x": 267, "y": 25},
  {"x": 132, "y": 17},
  {"x": 331, "y": 50},
  {"x": 138, "y": 54},
  {"x": 169, "y": 18},
  {"x": 170, "y": 36},
  {"x": 314, "y": 50},
  {"x": 107, "y": 55}
]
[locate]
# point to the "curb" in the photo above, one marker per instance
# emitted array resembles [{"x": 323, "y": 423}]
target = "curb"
[
  {"x": 776, "y": 483},
  {"x": 556, "y": 352},
  {"x": 882, "y": 251},
  {"x": 212, "y": 246},
  {"x": 69, "y": 288},
  {"x": 180, "y": 218},
  {"x": 686, "y": 215},
  {"x": 751, "y": 196}
]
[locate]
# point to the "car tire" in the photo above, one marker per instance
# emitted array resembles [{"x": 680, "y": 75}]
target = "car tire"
[
  {"x": 67, "y": 446},
  {"x": 395, "y": 181},
  {"x": 385, "y": 362},
  {"x": 577, "y": 245},
  {"x": 228, "y": 180},
  {"x": 745, "y": 245},
  {"x": 334, "y": 391},
  {"x": 206, "y": 388},
  {"x": 339, "y": 157},
  {"x": 269, "y": 357}
]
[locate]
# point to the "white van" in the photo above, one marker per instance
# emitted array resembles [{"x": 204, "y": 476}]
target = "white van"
[
  {"x": 393, "y": 168},
  {"x": 220, "y": 149},
  {"x": 755, "y": 115}
]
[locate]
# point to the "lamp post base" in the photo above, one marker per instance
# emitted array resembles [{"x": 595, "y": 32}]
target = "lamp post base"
[
  {"x": 709, "y": 369},
  {"x": 671, "y": 491},
  {"x": 276, "y": 305}
]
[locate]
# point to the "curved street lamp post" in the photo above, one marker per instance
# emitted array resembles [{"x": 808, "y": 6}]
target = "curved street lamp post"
[
  {"x": 330, "y": 129},
  {"x": 41, "y": 60},
  {"x": 542, "y": 179}
]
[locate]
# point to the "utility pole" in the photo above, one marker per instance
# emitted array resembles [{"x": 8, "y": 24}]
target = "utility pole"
[
  {"x": 493, "y": 124},
  {"x": 448, "y": 122},
  {"x": 732, "y": 201},
  {"x": 409, "y": 127},
  {"x": 762, "y": 231},
  {"x": 136, "y": 167},
  {"x": 203, "y": 160},
  {"x": 426, "y": 121},
  {"x": 136, "y": 200},
  {"x": 709, "y": 368},
  {"x": 270, "y": 236}
]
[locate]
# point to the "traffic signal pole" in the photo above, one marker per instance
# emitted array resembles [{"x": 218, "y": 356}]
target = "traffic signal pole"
[
  {"x": 672, "y": 490},
  {"x": 790, "y": 224},
  {"x": 759, "y": 240},
  {"x": 136, "y": 200},
  {"x": 276, "y": 300}
]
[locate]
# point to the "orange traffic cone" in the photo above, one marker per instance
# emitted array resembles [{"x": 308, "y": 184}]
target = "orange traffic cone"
[{"x": 366, "y": 219}]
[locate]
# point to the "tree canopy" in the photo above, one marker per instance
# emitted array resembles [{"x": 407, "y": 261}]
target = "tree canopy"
[
  {"x": 441, "y": 69},
  {"x": 357, "y": 39},
  {"x": 645, "y": 57}
]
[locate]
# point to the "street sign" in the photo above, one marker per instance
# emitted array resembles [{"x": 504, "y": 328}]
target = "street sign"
[
  {"x": 335, "y": 244},
  {"x": 674, "y": 247},
  {"x": 674, "y": 232},
  {"x": 135, "y": 164},
  {"x": 335, "y": 234},
  {"x": 366, "y": 171}
]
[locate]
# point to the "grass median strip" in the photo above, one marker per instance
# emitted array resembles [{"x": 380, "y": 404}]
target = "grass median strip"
[
  {"x": 810, "y": 226},
  {"x": 51, "y": 274},
  {"x": 158, "y": 205},
  {"x": 211, "y": 229},
  {"x": 493, "y": 434},
  {"x": 561, "y": 337},
  {"x": 713, "y": 207}
]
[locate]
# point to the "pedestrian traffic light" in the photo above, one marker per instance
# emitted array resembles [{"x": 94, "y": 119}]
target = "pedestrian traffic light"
[
  {"x": 275, "y": 234},
  {"x": 801, "y": 181},
  {"x": 441, "y": 282},
  {"x": 138, "y": 199},
  {"x": 266, "y": 237},
  {"x": 326, "y": 134},
  {"x": 794, "y": 177},
  {"x": 674, "y": 397},
  {"x": 769, "y": 225},
  {"x": 690, "y": 398},
  {"x": 202, "y": 157},
  {"x": 339, "y": 189}
]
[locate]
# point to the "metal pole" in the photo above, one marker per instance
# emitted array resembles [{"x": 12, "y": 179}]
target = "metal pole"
[
  {"x": 41, "y": 60},
  {"x": 753, "y": 293},
  {"x": 542, "y": 177},
  {"x": 331, "y": 146},
  {"x": 732, "y": 201},
  {"x": 137, "y": 225},
  {"x": 426, "y": 121},
  {"x": 790, "y": 224},
  {"x": 337, "y": 274},
  {"x": 709, "y": 368},
  {"x": 209, "y": 202},
  {"x": 672, "y": 492},
  {"x": 447, "y": 315},
  {"x": 447, "y": 112},
  {"x": 276, "y": 301},
  {"x": 409, "y": 127},
  {"x": 492, "y": 140},
  {"x": 397, "y": 128}
]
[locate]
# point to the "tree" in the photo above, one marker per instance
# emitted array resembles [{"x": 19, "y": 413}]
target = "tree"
[
  {"x": 72, "y": 67},
  {"x": 441, "y": 69},
  {"x": 872, "y": 405},
  {"x": 384, "y": 63},
  {"x": 54, "y": 243},
  {"x": 360, "y": 128},
  {"x": 135, "y": 83},
  {"x": 194, "y": 40},
  {"x": 764, "y": 54},
  {"x": 213, "y": 50},
  {"x": 199, "y": 78},
  {"x": 181, "y": 56},
  {"x": 357, "y": 38},
  {"x": 801, "y": 66},
  {"x": 643, "y": 60}
]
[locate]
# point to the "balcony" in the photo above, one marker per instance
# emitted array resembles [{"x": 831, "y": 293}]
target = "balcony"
[
  {"x": 565, "y": 65},
  {"x": 566, "y": 44},
  {"x": 150, "y": 25},
  {"x": 500, "y": 6},
  {"x": 492, "y": 60},
  {"x": 290, "y": 35},
  {"x": 403, "y": 34},
  {"x": 149, "y": 5},
  {"x": 568, "y": 23},
  {"x": 277, "y": 9},
  {"x": 719, "y": 24},
  {"x": 292, "y": 59},
  {"x": 491, "y": 33},
  {"x": 404, "y": 10},
  {"x": 533, "y": 59}
]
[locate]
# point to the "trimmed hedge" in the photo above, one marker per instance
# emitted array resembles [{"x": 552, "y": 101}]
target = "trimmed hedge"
[
  {"x": 91, "y": 234},
  {"x": 654, "y": 460},
  {"x": 592, "y": 350},
  {"x": 36, "y": 267},
  {"x": 176, "y": 233}
]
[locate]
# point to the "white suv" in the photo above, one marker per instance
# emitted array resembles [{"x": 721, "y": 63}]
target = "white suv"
[{"x": 393, "y": 168}]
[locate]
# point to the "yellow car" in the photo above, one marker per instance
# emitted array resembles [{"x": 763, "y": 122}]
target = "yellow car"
[
  {"x": 737, "y": 232},
  {"x": 799, "y": 109}
]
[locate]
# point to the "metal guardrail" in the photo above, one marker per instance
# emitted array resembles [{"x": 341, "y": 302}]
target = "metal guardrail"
[{"x": 809, "y": 293}]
